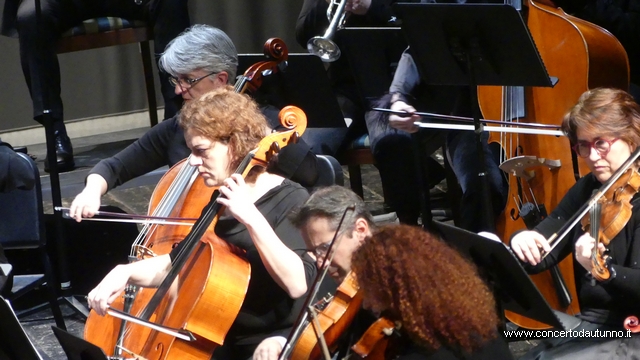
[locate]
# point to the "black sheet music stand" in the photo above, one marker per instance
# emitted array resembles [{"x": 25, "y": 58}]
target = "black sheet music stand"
[
  {"x": 76, "y": 348},
  {"x": 472, "y": 44},
  {"x": 14, "y": 342},
  {"x": 514, "y": 291},
  {"x": 373, "y": 54},
  {"x": 303, "y": 83}
]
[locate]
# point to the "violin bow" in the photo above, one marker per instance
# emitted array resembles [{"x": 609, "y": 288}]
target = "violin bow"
[
  {"x": 300, "y": 322},
  {"x": 513, "y": 127}
]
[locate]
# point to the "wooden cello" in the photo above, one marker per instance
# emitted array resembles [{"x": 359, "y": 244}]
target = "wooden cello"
[
  {"x": 207, "y": 280},
  {"x": 541, "y": 169},
  {"x": 180, "y": 193}
]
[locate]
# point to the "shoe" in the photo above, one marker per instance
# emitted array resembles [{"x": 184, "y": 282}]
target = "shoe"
[{"x": 64, "y": 154}]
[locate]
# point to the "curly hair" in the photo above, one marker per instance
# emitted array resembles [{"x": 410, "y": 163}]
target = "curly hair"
[
  {"x": 228, "y": 117},
  {"x": 428, "y": 286},
  {"x": 606, "y": 112}
]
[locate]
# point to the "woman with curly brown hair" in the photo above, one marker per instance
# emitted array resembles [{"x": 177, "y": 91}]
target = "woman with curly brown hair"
[
  {"x": 220, "y": 128},
  {"x": 436, "y": 295}
]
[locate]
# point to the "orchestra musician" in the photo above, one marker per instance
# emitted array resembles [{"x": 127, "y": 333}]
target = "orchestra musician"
[
  {"x": 429, "y": 278},
  {"x": 604, "y": 128},
  {"x": 39, "y": 37},
  {"x": 391, "y": 132},
  {"x": 201, "y": 59},
  {"x": 220, "y": 129}
]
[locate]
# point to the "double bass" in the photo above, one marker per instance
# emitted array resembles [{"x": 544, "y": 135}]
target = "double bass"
[{"x": 541, "y": 169}]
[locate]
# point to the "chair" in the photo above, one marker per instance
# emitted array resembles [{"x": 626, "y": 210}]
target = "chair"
[
  {"x": 110, "y": 31},
  {"x": 358, "y": 153},
  {"x": 329, "y": 171},
  {"x": 22, "y": 227}
]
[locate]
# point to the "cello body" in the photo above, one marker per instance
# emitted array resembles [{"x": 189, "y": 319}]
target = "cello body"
[
  {"x": 540, "y": 168},
  {"x": 209, "y": 293},
  {"x": 210, "y": 288},
  {"x": 104, "y": 331}
]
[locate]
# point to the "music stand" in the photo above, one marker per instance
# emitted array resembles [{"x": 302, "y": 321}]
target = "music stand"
[
  {"x": 513, "y": 289},
  {"x": 471, "y": 45},
  {"x": 373, "y": 54},
  {"x": 76, "y": 348},
  {"x": 17, "y": 344},
  {"x": 303, "y": 83}
]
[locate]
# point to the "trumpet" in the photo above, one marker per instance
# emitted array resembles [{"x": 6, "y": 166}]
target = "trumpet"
[{"x": 323, "y": 46}]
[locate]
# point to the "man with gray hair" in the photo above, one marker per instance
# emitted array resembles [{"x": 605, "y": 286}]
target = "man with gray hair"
[
  {"x": 318, "y": 220},
  {"x": 201, "y": 59}
]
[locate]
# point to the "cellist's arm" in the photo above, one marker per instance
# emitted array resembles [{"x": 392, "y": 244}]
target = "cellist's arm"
[
  {"x": 147, "y": 273},
  {"x": 282, "y": 263}
]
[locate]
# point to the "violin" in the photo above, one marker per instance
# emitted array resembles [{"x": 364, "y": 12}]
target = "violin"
[
  {"x": 619, "y": 190},
  {"x": 379, "y": 342},
  {"x": 632, "y": 323},
  {"x": 330, "y": 322},
  {"x": 608, "y": 217}
]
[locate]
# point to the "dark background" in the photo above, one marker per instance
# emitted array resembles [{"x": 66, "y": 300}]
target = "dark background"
[{"x": 107, "y": 81}]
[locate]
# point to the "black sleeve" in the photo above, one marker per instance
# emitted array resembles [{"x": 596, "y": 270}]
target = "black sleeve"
[
  {"x": 577, "y": 195},
  {"x": 628, "y": 275},
  {"x": 15, "y": 173},
  {"x": 144, "y": 155},
  {"x": 313, "y": 20},
  {"x": 291, "y": 236}
]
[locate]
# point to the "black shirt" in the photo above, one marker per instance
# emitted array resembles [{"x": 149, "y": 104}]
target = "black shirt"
[
  {"x": 267, "y": 309},
  {"x": 607, "y": 303}
]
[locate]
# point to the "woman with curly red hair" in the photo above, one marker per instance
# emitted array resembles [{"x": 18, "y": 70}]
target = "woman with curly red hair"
[{"x": 443, "y": 306}]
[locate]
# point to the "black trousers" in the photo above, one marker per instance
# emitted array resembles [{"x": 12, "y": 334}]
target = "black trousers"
[{"x": 38, "y": 48}]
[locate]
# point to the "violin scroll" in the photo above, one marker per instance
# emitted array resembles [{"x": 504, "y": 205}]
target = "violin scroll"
[{"x": 632, "y": 323}]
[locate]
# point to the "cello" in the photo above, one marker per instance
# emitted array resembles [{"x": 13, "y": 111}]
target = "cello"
[
  {"x": 540, "y": 170},
  {"x": 180, "y": 193},
  {"x": 207, "y": 287}
]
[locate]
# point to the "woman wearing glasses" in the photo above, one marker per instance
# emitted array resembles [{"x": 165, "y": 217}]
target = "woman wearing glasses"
[{"x": 604, "y": 127}]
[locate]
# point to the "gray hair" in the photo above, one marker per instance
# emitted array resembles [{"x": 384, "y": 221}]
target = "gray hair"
[
  {"x": 330, "y": 203},
  {"x": 200, "y": 47}
]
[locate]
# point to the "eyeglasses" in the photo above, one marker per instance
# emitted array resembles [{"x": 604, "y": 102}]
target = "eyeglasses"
[
  {"x": 187, "y": 83},
  {"x": 602, "y": 146},
  {"x": 321, "y": 250}
]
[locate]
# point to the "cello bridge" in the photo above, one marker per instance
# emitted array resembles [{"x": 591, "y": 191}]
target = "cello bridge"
[{"x": 517, "y": 166}]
